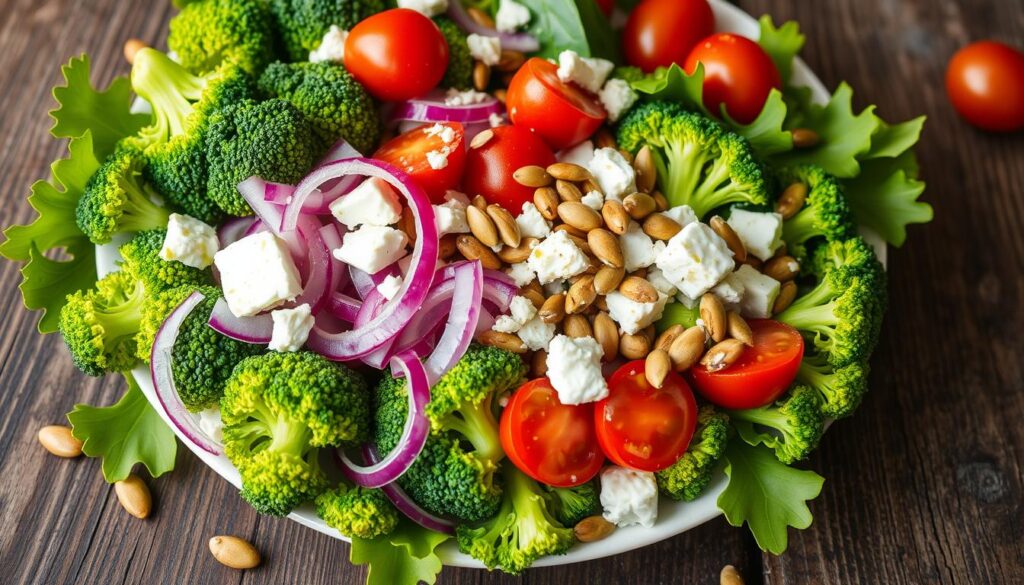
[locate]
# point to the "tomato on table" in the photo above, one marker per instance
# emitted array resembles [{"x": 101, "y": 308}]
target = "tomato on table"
[
  {"x": 553, "y": 443},
  {"x": 662, "y": 32},
  {"x": 561, "y": 113},
  {"x": 738, "y": 74},
  {"x": 985, "y": 82},
  {"x": 643, "y": 427},
  {"x": 489, "y": 168},
  {"x": 397, "y": 54},
  {"x": 409, "y": 151},
  {"x": 761, "y": 374}
]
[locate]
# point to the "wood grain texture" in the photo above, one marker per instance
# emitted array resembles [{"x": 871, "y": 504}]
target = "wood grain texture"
[{"x": 923, "y": 486}]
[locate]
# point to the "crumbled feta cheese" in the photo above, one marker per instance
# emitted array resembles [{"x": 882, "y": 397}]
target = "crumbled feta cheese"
[
  {"x": 291, "y": 328},
  {"x": 688, "y": 302},
  {"x": 629, "y": 496},
  {"x": 581, "y": 154},
  {"x": 373, "y": 202},
  {"x": 638, "y": 250},
  {"x": 658, "y": 280},
  {"x": 761, "y": 233},
  {"x": 681, "y": 214},
  {"x": 593, "y": 200},
  {"x": 521, "y": 310},
  {"x": 257, "y": 273},
  {"x": 495, "y": 120},
  {"x": 445, "y": 132},
  {"x": 631, "y": 315},
  {"x": 453, "y": 195},
  {"x": 521, "y": 273},
  {"x": 557, "y": 257},
  {"x": 484, "y": 48},
  {"x": 438, "y": 159},
  {"x": 371, "y": 248},
  {"x": 469, "y": 97},
  {"x": 211, "y": 424},
  {"x": 730, "y": 291},
  {"x": 536, "y": 334},
  {"x": 759, "y": 292},
  {"x": 695, "y": 260},
  {"x": 531, "y": 223},
  {"x": 511, "y": 16},
  {"x": 390, "y": 286},
  {"x": 617, "y": 97},
  {"x": 574, "y": 368},
  {"x": 554, "y": 287},
  {"x": 332, "y": 47},
  {"x": 583, "y": 71},
  {"x": 189, "y": 241},
  {"x": 450, "y": 217},
  {"x": 613, "y": 173},
  {"x": 428, "y": 8}
]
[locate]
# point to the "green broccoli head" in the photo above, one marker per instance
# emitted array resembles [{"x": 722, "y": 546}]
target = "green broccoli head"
[
  {"x": 841, "y": 389},
  {"x": 791, "y": 427},
  {"x": 688, "y": 477},
  {"x": 279, "y": 410},
  {"x": 207, "y": 33},
  {"x": 523, "y": 530},
  {"x": 825, "y": 214},
  {"x": 859, "y": 257},
  {"x": 140, "y": 257},
  {"x": 99, "y": 325},
  {"x": 335, "y": 104},
  {"x": 357, "y": 511},
  {"x": 270, "y": 139},
  {"x": 571, "y": 505},
  {"x": 303, "y": 23},
  {"x": 459, "y": 74},
  {"x": 699, "y": 164},
  {"x": 117, "y": 199}
]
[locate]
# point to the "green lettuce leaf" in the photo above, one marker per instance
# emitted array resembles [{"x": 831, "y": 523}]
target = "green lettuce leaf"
[
  {"x": 892, "y": 140},
  {"x": 46, "y": 283},
  {"x": 782, "y": 45},
  {"x": 124, "y": 434},
  {"x": 884, "y": 197},
  {"x": 407, "y": 556},
  {"x": 601, "y": 39},
  {"x": 766, "y": 494},
  {"x": 558, "y": 27}
]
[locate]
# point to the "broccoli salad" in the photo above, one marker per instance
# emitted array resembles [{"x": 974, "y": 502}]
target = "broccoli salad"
[{"x": 442, "y": 274}]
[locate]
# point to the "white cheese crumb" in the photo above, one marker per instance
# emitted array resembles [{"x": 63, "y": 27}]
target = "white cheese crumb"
[
  {"x": 438, "y": 159},
  {"x": 372, "y": 248},
  {"x": 521, "y": 310},
  {"x": 373, "y": 202},
  {"x": 585, "y": 72},
  {"x": 484, "y": 48},
  {"x": 454, "y": 97},
  {"x": 574, "y": 368},
  {"x": 291, "y": 328},
  {"x": 332, "y": 47},
  {"x": 257, "y": 273},
  {"x": 531, "y": 223},
  {"x": 189, "y": 241},
  {"x": 617, "y": 97},
  {"x": 511, "y": 16},
  {"x": 629, "y": 496},
  {"x": 557, "y": 258},
  {"x": 390, "y": 286},
  {"x": 613, "y": 173},
  {"x": 428, "y": 8}
]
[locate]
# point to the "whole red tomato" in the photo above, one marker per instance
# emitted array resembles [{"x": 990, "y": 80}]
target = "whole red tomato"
[
  {"x": 662, "y": 32},
  {"x": 737, "y": 74},
  {"x": 561, "y": 113},
  {"x": 985, "y": 82},
  {"x": 397, "y": 54},
  {"x": 489, "y": 167}
]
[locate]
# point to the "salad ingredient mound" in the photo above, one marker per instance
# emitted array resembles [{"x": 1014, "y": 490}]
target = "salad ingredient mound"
[{"x": 462, "y": 273}]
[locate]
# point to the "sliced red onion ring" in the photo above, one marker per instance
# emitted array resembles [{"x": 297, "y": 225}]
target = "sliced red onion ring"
[
  {"x": 462, "y": 321},
  {"x": 254, "y": 190},
  {"x": 320, "y": 275},
  {"x": 234, "y": 229},
  {"x": 344, "y": 307},
  {"x": 163, "y": 377},
  {"x": 433, "y": 108},
  {"x": 414, "y": 434},
  {"x": 407, "y": 505},
  {"x": 340, "y": 151},
  {"x": 256, "y": 329},
  {"x": 367, "y": 283},
  {"x": 256, "y": 227},
  {"x": 514, "y": 41}
]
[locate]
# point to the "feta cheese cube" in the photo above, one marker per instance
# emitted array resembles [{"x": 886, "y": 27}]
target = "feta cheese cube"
[
  {"x": 469, "y": 97},
  {"x": 583, "y": 71},
  {"x": 760, "y": 232},
  {"x": 681, "y": 214},
  {"x": 581, "y": 154},
  {"x": 536, "y": 334},
  {"x": 443, "y": 131},
  {"x": 438, "y": 159},
  {"x": 373, "y": 202},
  {"x": 450, "y": 218},
  {"x": 613, "y": 173},
  {"x": 511, "y": 16},
  {"x": 695, "y": 260},
  {"x": 332, "y": 47},
  {"x": 557, "y": 258},
  {"x": 428, "y": 8},
  {"x": 658, "y": 280},
  {"x": 484, "y": 48},
  {"x": 257, "y": 273},
  {"x": 531, "y": 223},
  {"x": 371, "y": 248},
  {"x": 730, "y": 291},
  {"x": 617, "y": 97},
  {"x": 759, "y": 292},
  {"x": 189, "y": 241},
  {"x": 574, "y": 368},
  {"x": 521, "y": 310},
  {"x": 495, "y": 120},
  {"x": 291, "y": 328},
  {"x": 628, "y": 496},
  {"x": 521, "y": 273},
  {"x": 631, "y": 315},
  {"x": 390, "y": 286},
  {"x": 638, "y": 249},
  {"x": 593, "y": 200}
]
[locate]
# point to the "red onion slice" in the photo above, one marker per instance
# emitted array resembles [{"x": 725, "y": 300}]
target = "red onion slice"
[
  {"x": 320, "y": 274},
  {"x": 254, "y": 190},
  {"x": 234, "y": 229},
  {"x": 462, "y": 321},
  {"x": 344, "y": 307},
  {"x": 340, "y": 151},
  {"x": 256, "y": 329},
  {"x": 407, "y": 505},
  {"x": 433, "y": 108},
  {"x": 514, "y": 41}
]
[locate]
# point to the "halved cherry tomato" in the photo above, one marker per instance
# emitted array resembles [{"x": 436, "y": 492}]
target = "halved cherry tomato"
[
  {"x": 489, "y": 168},
  {"x": 553, "y": 443},
  {"x": 397, "y": 54},
  {"x": 643, "y": 427},
  {"x": 985, "y": 82},
  {"x": 561, "y": 113},
  {"x": 761, "y": 374},
  {"x": 738, "y": 73},
  {"x": 662, "y": 32},
  {"x": 409, "y": 151}
]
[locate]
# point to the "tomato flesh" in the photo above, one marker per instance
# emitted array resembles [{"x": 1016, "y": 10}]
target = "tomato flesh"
[
  {"x": 561, "y": 113},
  {"x": 659, "y": 33},
  {"x": 489, "y": 168},
  {"x": 738, "y": 74},
  {"x": 985, "y": 82},
  {"x": 409, "y": 151},
  {"x": 643, "y": 427},
  {"x": 762, "y": 374}
]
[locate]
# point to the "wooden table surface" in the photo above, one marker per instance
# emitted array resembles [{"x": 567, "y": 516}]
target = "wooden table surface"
[{"x": 924, "y": 484}]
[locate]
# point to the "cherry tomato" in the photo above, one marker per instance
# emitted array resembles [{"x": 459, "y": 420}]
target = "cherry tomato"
[
  {"x": 409, "y": 151},
  {"x": 761, "y": 374},
  {"x": 606, "y": 6},
  {"x": 397, "y": 54},
  {"x": 985, "y": 82},
  {"x": 662, "y": 32},
  {"x": 561, "y": 113},
  {"x": 489, "y": 168},
  {"x": 643, "y": 427},
  {"x": 737, "y": 74},
  {"x": 553, "y": 443}
]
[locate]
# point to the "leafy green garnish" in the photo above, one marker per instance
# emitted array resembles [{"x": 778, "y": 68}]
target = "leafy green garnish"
[
  {"x": 45, "y": 283},
  {"x": 572, "y": 25},
  {"x": 603, "y": 41},
  {"x": 124, "y": 434},
  {"x": 766, "y": 494},
  {"x": 895, "y": 139},
  {"x": 782, "y": 45},
  {"x": 884, "y": 197},
  {"x": 407, "y": 556}
]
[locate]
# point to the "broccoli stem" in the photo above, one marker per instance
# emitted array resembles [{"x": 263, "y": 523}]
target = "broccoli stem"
[
  {"x": 140, "y": 213},
  {"x": 818, "y": 318},
  {"x": 478, "y": 425},
  {"x": 168, "y": 87},
  {"x": 801, "y": 227}
]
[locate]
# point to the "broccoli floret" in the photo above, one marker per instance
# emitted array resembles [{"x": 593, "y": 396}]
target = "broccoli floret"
[
  {"x": 271, "y": 140},
  {"x": 279, "y": 410},
  {"x": 303, "y": 23},
  {"x": 687, "y": 478},
  {"x": 460, "y": 61},
  {"x": 522, "y": 531},
  {"x": 357, "y": 511},
  {"x": 857, "y": 255},
  {"x": 332, "y": 100},
  {"x": 118, "y": 199},
  {"x": 455, "y": 474},
  {"x": 698, "y": 163},
  {"x": 205, "y": 34},
  {"x": 99, "y": 324},
  {"x": 141, "y": 258},
  {"x": 791, "y": 427},
  {"x": 571, "y": 505},
  {"x": 825, "y": 214},
  {"x": 841, "y": 389}
]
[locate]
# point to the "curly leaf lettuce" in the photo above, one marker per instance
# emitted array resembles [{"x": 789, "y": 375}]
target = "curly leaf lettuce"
[
  {"x": 45, "y": 283},
  {"x": 407, "y": 556},
  {"x": 782, "y": 44},
  {"x": 884, "y": 197}
]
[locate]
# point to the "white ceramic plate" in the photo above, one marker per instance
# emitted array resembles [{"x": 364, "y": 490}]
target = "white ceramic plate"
[{"x": 673, "y": 517}]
